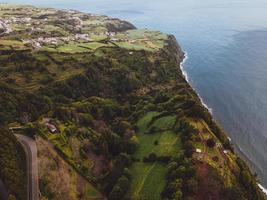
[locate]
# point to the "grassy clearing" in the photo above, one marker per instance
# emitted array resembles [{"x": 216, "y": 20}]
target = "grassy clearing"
[
  {"x": 79, "y": 47},
  {"x": 164, "y": 123},
  {"x": 149, "y": 178},
  {"x": 141, "y": 39},
  {"x": 95, "y": 45},
  {"x": 11, "y": 43},
  {"x": 153, "y": 184},
  {"x": 72, "y": 48},
  {"x": 134, "y": 46},
  {"x": 168, "y": 144},
  {"x": 144, "y": 121},
  {"x": 148, "y": 181}
]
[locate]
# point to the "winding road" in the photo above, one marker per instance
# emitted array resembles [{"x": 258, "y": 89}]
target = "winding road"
[{"x": 30, "y": 148}]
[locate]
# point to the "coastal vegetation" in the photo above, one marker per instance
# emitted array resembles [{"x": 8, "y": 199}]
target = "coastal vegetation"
[{"x": 111, "y": 111}]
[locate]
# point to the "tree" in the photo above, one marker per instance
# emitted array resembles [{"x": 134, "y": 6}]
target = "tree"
[
  {"x": 151, "y": 158},
  {"x": 120, "y": 188},
  {"x": 211, "y": 143},
  {"x": 132, "y": 144},
  {"x": 178, "y": 195},
  {"x": 116, "y": 193},
  {"x": 191, "y": 185}
]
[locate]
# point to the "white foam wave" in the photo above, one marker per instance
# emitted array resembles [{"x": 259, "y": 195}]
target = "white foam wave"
[
  {"x": 187, "y": 79},
  {"x": 182, "y": 67},
  {"x": 262, "y": 188}
]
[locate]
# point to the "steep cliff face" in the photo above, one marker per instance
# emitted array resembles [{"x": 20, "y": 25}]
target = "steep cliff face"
[
  {"x": 175, "y": 49},
  {"x": 109, "y": 102}
]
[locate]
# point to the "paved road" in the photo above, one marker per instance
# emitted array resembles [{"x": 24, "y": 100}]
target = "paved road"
[
  {"x": 3, "y": 192},
  {"x": 29, "y": 146}
]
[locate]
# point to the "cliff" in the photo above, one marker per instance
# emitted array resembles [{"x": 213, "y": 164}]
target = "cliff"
[{"x": 111, "y": 112}]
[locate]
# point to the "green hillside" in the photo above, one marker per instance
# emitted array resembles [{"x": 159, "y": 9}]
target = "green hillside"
[{"x": 112, "y": 115}]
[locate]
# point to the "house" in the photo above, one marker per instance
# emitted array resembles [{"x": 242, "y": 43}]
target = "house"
[
  {"x": 198, "y": 150},
  {"x": 52, "y": 128},
  {"x": 225, "y": 151}
]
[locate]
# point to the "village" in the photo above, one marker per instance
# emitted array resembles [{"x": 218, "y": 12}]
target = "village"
[
  {"x": 7, "y": 24},
  {"x": 70, "y": 31}
]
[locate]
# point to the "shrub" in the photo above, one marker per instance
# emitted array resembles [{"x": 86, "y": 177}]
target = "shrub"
[
  {"x": 46, "y": 79},
  {"x": 211, "y": 143},
  {"x": 151, "y": 158}
]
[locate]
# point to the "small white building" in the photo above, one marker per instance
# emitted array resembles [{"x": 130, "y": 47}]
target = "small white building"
[
  {"x": 52, "y": 128},
  {"x": 198, "y": 150}
]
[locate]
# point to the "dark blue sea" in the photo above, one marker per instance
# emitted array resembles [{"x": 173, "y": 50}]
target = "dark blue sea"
[{"x": 226, "y": 44}]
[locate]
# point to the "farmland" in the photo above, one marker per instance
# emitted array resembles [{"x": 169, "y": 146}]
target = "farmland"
[{"x": 149, "y": 177}]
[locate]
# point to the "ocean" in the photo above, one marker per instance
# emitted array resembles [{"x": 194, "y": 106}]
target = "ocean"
[{"x": 226, "y": 46}]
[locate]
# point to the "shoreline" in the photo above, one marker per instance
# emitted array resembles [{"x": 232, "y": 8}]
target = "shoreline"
[
  {"x": 188, "y": 81},
  {"x": 251, "y": 165},
  {"x": 264, "y": 190}
]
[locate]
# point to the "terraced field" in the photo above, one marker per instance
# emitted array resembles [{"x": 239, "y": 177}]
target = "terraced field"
[{"x": 216, "y": 157}]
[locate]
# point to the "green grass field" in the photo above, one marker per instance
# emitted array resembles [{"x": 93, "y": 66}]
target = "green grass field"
[
  {"x": 149, "y": 178},
  {"x": 141, "y": 39},
  {"x": 164, "y": 123},
  {"x": 148, "y": 181}
]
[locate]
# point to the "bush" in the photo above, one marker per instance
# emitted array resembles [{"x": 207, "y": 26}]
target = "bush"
[
  {"x": 151, "y": 158},
  {"x": 211, "y": 143},
  {"x": 46, "y": 79},
  {"x": 132, "y": 145},
  {"x": 30, "y": 130}
]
